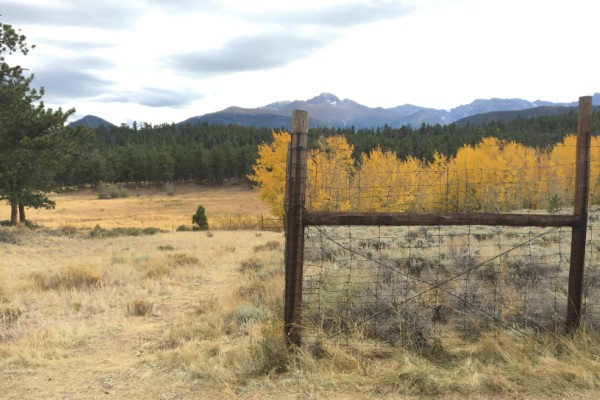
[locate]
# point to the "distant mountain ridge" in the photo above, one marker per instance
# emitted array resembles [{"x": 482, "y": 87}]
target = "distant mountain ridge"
[
  {"x": 327, "y": 110},
  {"x": 91, "y": 121}
]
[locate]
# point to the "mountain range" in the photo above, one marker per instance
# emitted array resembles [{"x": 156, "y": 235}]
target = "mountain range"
[{"x": 327, "y": 110}]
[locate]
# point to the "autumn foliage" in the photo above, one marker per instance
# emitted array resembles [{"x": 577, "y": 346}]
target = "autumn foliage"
[{"x": 493, "y": 175}]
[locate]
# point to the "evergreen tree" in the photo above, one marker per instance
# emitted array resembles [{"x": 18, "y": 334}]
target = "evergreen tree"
[{"x": 33, "y": 140}]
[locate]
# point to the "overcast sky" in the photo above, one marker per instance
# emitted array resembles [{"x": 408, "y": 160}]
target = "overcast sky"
[{"x": 167, "y": 60}]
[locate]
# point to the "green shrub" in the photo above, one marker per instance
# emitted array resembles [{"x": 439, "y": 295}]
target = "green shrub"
[
  {"x": 246, "y": 313},
  {"x": 111, "y": 191},
  {"x": 554, "y": 204},
  {"x": 183, "y": 228},
  {"x": 199, "y": 219}
]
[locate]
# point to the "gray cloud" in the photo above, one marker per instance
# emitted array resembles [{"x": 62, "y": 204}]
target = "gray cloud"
[
  {"x": 288, "y": 43},
  {"x": 74, "y": 45},
  {"x": 292, "y": 36},
  {"x": 249, "y": 53},
  {"x": 108, "y": 14},
  {"x": 62, "y": 83},
  {"x": 155, "y": 97},
  {"x": 343, "y": 15},
  {"x": 105, "y": 14}
]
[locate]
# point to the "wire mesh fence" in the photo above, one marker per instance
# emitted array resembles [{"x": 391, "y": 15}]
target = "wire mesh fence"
[
  {"x": 418, "y": 282},
  {"x": 414, "y": 285}
]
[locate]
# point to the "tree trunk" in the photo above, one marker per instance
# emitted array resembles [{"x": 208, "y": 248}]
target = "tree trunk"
[
  {"x": 22, "y": 218},
  {"x": 13, "y": 213}
]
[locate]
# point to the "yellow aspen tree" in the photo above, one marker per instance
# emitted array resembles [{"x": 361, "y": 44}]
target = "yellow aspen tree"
[
  {"x": 560, "y": 177},
  {"x": 522, "y": 177},
  {"x": 376, "y": 182},
  {"x": 411, "y": 180},
  {"x": 463, "y": 192},
  {"x": 595, "y": 170},
  {"x": 269, "y": 172},
  {"x": 438, "y": 178},
  {"x": 330, "y": 173}
]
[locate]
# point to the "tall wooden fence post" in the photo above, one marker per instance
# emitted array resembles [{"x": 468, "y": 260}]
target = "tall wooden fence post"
[
  {"x": 578, "y": 237},
  {"x": 294, "y": 228}
]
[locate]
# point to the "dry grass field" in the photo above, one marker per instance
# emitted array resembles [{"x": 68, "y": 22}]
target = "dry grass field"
[
  {"x": 149, "y": 206},
  {"x": 194, "y": 315}
]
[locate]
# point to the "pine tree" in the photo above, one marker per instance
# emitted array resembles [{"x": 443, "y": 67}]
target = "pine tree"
[{"x": 33, "y": 140}]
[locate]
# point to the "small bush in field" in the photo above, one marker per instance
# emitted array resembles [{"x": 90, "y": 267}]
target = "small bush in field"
[
  {"x": 140, "y": 307},
  {"x": 74, "y": 277},
  {"x": 250, "y": 265},
  {"x": 6, "y": 236},
  {"x": 270, "y": 245},
  {"x": 169, "y": 188},
  {"x": 183, "y": 228},
  {"x": 246, "y": 313},
  {"x": 199, "y": 219},
  {"x": 116, "y": 259},
  {"x": 9, "y": 315},
  {"x": 554, "y": 204},
  {"x": 178, "y": 260},
  {"x": 99, "y": 232},
  {"x": 111, "y": 191}
]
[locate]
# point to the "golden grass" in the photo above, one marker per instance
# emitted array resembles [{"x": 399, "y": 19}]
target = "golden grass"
[
  {"x": 198, "y": 315},
  {"x": 173, "y": 315},
  {"x": 151, "y": 206}
]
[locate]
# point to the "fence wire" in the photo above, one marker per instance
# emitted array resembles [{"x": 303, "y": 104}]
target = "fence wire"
[
  {"x": 490, "y": 176},
  {"x": 415, "y": 285}
]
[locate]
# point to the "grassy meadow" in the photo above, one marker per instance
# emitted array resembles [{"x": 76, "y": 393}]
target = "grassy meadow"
[
  {"x": 164, "y": 207},
  {"x": 180, "y": 315}
]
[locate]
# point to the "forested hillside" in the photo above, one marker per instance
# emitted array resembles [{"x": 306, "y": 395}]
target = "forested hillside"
[{"x": 206, "y": 153}]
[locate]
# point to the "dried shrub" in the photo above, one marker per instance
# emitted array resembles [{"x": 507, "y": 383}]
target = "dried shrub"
[
  {"x": 250, "y": 265},
  {"x": 73, "y": 277},
  {"x": 153, "y": 268},
  {"x": 7, "y": 236},
  {"x": 272, "y": 354},
  {"x": 67, "y": 230},
  {"x": 9, "y": 315},
  {"x": 183, "y": 260},
  {"x": 116, "y": 259},
  {"x": 270, "y": 245},
  {"x": 98, "y": 232},
  {"x": 140, "y": 307}
]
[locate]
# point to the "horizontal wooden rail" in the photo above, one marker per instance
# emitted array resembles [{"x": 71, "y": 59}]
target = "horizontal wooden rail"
[{"x": 435, "y": 219}]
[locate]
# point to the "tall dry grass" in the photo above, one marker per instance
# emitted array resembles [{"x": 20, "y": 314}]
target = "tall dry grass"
[
  {"x": 182, "y": 315},
  {"x": 160, "y": 207}
]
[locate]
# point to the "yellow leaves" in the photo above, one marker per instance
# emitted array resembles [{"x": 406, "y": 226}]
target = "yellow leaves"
[
  {"x": 493, "y": 175},
  {"x": 269, "y": 171},
  {"x": 330, "y": 172}
]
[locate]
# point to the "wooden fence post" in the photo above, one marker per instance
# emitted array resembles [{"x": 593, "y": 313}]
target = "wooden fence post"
[
  {"x": 578, "y": 236},
  {"x": 294, "y": 228}
]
